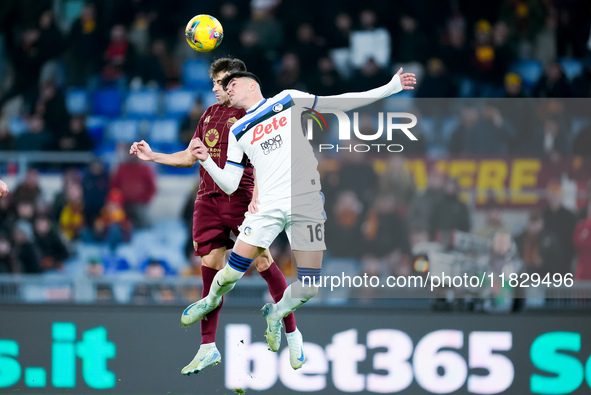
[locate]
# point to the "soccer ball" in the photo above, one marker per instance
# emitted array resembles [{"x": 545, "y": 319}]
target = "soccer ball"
[{"x": 204, "y": 33}]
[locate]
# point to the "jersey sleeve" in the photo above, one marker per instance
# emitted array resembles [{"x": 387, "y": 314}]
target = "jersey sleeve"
[
  {"x": 350, "y": 101},
  {"x": 236, "y": 154},
  {"x": 302, "y": 99}
]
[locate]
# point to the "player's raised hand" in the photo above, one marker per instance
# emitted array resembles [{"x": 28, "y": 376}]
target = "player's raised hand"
[
  {"x": 3, "y": 189},
  {"x": 198, "y": 149},
  {"x": 142, "y": 150},
  {"x": 407, "y": 80}
]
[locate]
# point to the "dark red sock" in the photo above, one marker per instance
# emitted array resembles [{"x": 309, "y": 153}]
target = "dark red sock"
[
  {"x": 209, "y": 327},
  {"x": 277, "y": 284}
]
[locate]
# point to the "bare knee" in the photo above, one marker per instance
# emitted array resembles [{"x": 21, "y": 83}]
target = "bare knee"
[
  {"x": 215, "y": 259},
  {"x": 263, "y": 261}
]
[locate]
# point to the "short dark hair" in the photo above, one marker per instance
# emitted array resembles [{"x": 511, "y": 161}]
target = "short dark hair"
[
  {"x": 226, "y": 64},
  {"x": 239, "y": 74}
]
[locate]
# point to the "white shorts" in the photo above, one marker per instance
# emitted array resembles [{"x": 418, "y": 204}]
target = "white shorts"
[{"x": 301, "y": 216}]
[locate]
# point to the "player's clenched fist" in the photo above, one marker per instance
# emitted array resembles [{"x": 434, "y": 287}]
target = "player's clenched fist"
[
  {"x": 142, "y": 150},
  {"x": 198, "y": 149}
]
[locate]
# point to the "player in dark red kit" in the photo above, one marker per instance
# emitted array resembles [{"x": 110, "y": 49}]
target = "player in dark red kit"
[{"x": 217, "y": 214}]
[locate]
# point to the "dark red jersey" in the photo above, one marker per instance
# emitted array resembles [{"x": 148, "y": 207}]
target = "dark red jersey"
[{"x": 213, "y": 130}]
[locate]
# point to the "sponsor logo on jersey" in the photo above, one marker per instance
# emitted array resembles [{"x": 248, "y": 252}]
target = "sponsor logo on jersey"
[
  {"x": 212, "y": 136},
  {"x": 267, "y": 128},
  {"x": 272, "y": 144}
]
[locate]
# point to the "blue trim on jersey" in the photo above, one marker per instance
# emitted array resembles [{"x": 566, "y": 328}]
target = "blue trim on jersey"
[
  {"x": 234, "y": 164},
  {"x": 315, "y": 102},
  {"x": 268, "y": 112},
  {"x": 257, "y": 107}
]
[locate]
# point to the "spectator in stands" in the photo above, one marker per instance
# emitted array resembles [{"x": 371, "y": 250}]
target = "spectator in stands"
[
  {"x": 582, "y": 142},
  {"x": 29, "y": 189},
  {"x": 112, "y": 226},
  {"x": 308, "y": 46},
  {"x": 85, "y": 46},
  {"x": 494, "y": 221},
  {"x": 436, "y": 82},
  {"x": 8, "y": 263},
  {"x": 410, "y": 43},
  {"x": 51, "y": 106},
  {"x": 370, "y": 74},
  {"x": 553, "y": 82},
  {"x": 50, "y": 36},
  {"x": 118, "y": 59},
  {"x": 398, "y": 183},
  {"x": 70, "y": 175},
  {"x": 344, "y": 234},
  {"x": 158, "y": 69},
  {"x": 387, "y": 236},
  {"x": 289, "y": 73},
  {"x": 338, "y": 36},
  {"x": 7, "y": 213},
  {"x": 28, "y": 57},
  {"x": 525, "y": 19},
  {"x": 95, "y": 185},
  {"x": 157, "y": 292},
  {"x": 488, "y": 62},
  {"x": 572, "y": 30},
  {"x": 6, "y": 137},
  {"x": 190, "y": 121},
  {"x": 582, "y": 84},
  {"x": 492, "y": 134},
  {"x": 75, "y": 137},
  {"x": 232, "y": 21},
  {"x": 454, "y": 51},
  {"x": 137, "y": 182},
  {"x": 582, "y": 242},
  {"x": 268, "y": 29},
  {"x": 539, "y": 248},
  {"x": 25, "y": 211},
  {"x": 550, "y": 139},
  {"x": 326, "y": 81},
  {"x": 357, "y": 174},
  {"x": 71, "y": 218},
  {"x": 450, "y": 213},
  {"x": 423, "y": 205},
  {"x": 561, "y": 221},
  {"x": 469, "y": 117},
  {"x": 53, "y": 251},
  {"x": 25, "y": 250},
  {"x": 513, "y": 86},
  {"x": 36, "y": 138}
]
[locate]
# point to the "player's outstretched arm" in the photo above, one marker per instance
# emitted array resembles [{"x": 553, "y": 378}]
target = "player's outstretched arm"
[
  {"x": 3, "y": 189},
  {"x": 143, "y": 151},
  {"x": 227, "y": 178},
  {"x": 350, "y": 101}
]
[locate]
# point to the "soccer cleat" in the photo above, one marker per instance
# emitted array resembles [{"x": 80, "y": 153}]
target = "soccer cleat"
[
  {"x": 196, "y": 311},
  {"x": 296, "y": 349},
  {"x": 273, "y": 331},
  {"x": 208, "y": 355}
]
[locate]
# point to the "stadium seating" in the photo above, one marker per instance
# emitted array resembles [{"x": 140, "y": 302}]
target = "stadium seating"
[
  {"x": 123, "y": 130},
  {"x": 195, "y": 74},
  {"x": 572, "y": 68},
  {"x": 163, "y": 131},
  {"x": 142, "y": 104},
  {"x": 530, "y": 72},
  {"x": 107, "y": 103},
  {"x": 77, "y": 101},
  {"x": 177, "y": 103}
]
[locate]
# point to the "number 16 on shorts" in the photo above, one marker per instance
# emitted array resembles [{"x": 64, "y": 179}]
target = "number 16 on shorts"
[{"x": 308, "y": 236}]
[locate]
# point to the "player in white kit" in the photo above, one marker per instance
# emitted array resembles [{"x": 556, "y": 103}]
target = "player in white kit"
[{"x": 270, "y": 134}]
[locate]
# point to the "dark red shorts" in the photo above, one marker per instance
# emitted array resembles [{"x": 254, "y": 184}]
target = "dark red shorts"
[{"x": 214, "y": 218}]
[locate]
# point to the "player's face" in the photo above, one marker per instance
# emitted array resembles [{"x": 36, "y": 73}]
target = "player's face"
[
  {"x": 220, "y": 94},
  {"x": 238, "y": 90}
]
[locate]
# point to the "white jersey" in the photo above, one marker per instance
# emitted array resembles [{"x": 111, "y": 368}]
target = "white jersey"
[{"x": 271, "y": 135}]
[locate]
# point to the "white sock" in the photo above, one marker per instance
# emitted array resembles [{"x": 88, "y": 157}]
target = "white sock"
[
  {"x": 222, "y": 283},
  {"x": 301, "y": 294}
]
